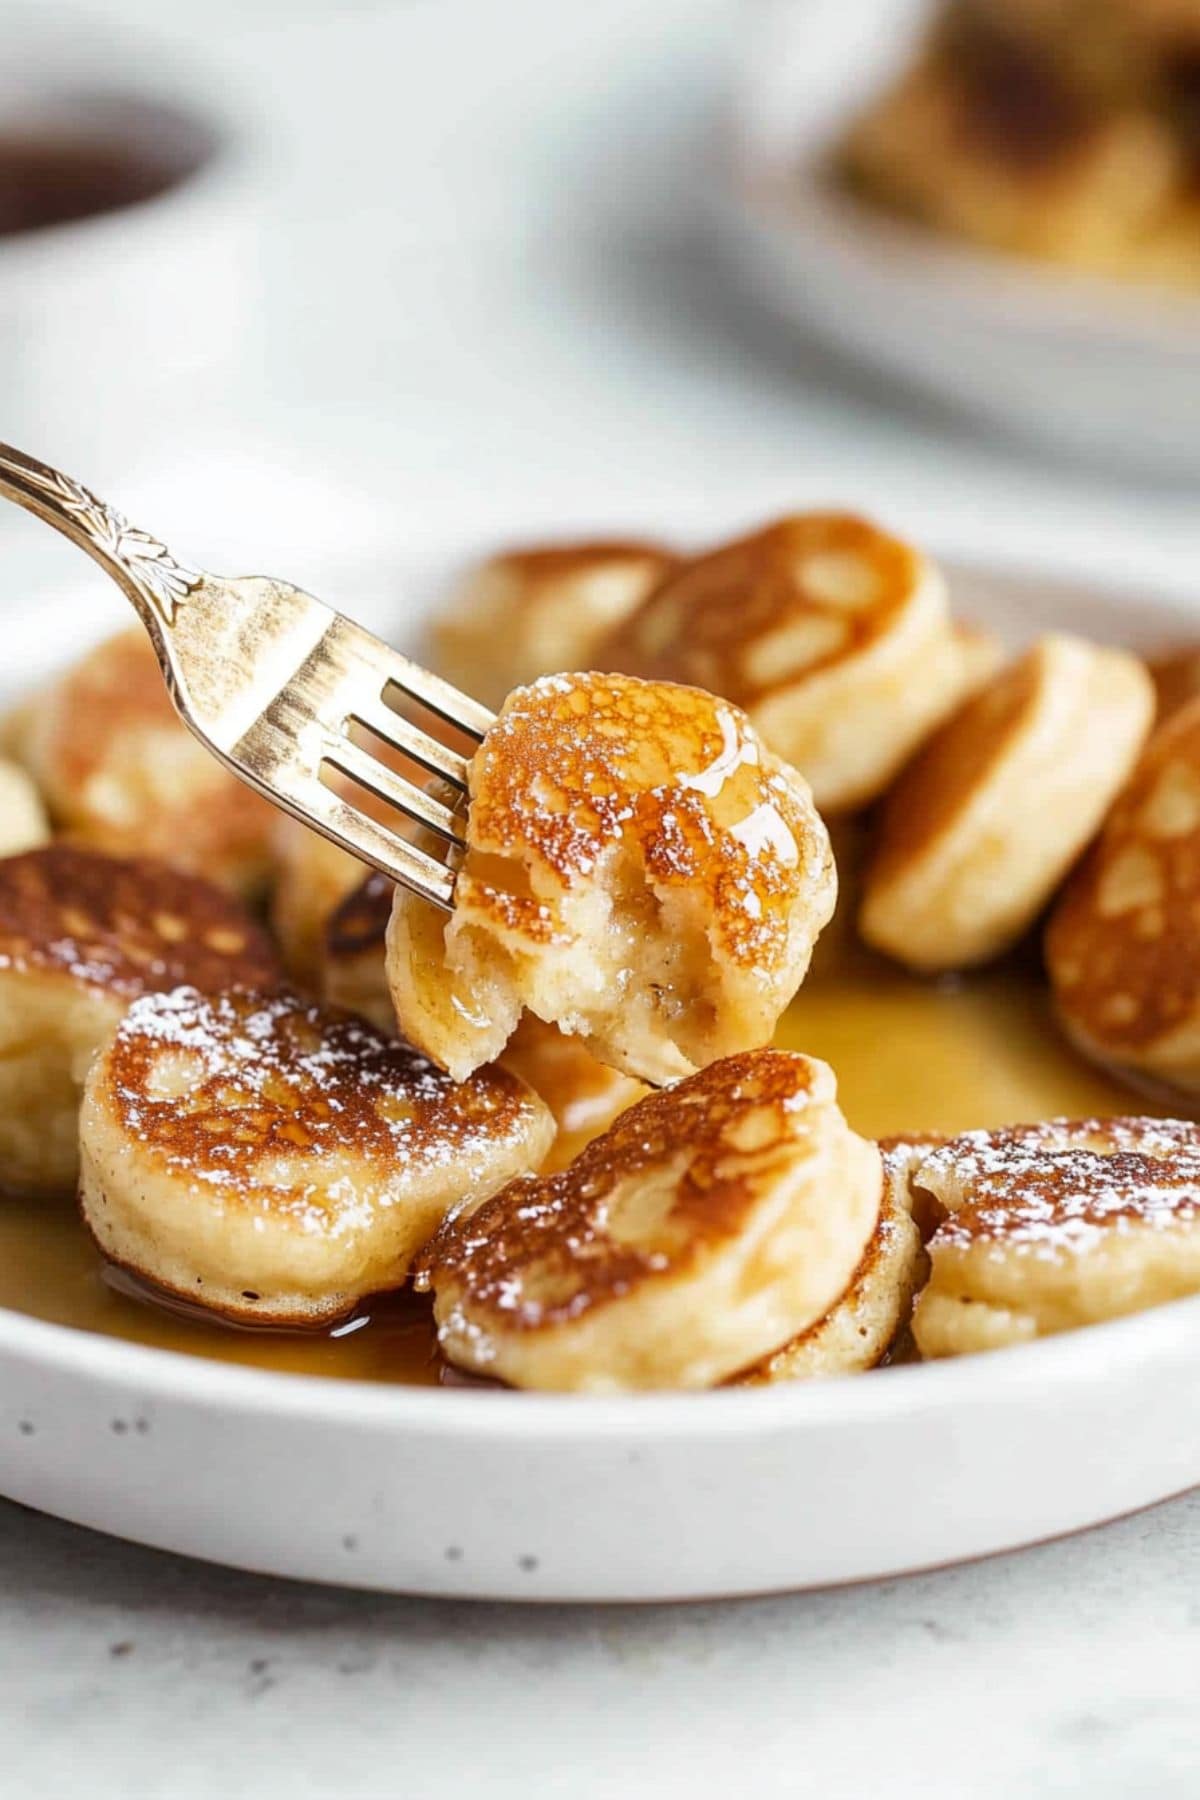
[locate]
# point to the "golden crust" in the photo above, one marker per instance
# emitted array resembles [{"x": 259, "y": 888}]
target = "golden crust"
[
  {"x": 276, "y": 1159},
  {"x": 745, "y": 1175},
  {"x": 1051, "y": 1226},
  {"x": 1122, "y": 947},
  {"x": 81, "y": 935},
  {"x": 119, "y": 772},
  {"x": 640, "y": 870},
  {"x": 125, "y": 926},
  {"x": 990, "y": 815},
  {"x": 538, "y": 611},
  {"x": 833, "y": 636}
]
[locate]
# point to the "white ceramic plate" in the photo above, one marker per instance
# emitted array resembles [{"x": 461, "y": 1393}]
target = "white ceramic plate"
[
  {"x": 494, "y": 1494},
  {"x": 1103, "y": 368}
]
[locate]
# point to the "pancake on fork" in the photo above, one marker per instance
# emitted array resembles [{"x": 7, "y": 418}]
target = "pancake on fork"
[
  {"x": 711, "y": 1223},
  {"x": 81, "y": 936},
  {"x": 640, "y": 870},
  {"x": 864, "y": 1322},
  {"x": 990, "y": 815},
  {"x": 834, "y": 637},
  {"x": 1176, "y": 680},
  {"x": 23, "y": 823},
  {"x": 275, "y": 1160},
  {"x": 1052, "y": 1226},
  {"x": 120, "y": 772},
  {"x": 537, "y": 611},
  {"x": 1123, "y": 942}
]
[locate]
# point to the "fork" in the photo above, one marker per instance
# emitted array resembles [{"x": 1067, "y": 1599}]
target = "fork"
[{"x": 274, "y": 682}]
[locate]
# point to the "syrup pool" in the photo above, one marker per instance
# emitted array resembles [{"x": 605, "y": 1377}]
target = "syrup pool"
[{"x": 910, "y": 1055}]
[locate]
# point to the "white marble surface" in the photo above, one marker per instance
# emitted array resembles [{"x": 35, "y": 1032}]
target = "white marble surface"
[{"x": 486, "y": 295}]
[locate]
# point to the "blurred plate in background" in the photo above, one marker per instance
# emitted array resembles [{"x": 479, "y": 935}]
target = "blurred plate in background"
[{"x": 1102, "y": 368}]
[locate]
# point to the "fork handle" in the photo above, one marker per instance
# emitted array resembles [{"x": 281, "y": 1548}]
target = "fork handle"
[{"x": 144, "y": 569}]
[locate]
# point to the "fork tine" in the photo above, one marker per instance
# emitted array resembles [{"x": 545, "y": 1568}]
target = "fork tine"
[
  {"x": 428, "y": 690},
  {"x": 362, "y": 767},
  {"x": 352, "y": 830},
  {"x": 403, "y": 735}
]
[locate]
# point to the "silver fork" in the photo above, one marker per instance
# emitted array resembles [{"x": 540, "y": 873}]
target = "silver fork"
[{"x": 273, "y": 682}]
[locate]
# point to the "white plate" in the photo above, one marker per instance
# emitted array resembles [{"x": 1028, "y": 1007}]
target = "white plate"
[
  {"x": 1103, "y": 368},
  {"x": 494, "y": 1494}
]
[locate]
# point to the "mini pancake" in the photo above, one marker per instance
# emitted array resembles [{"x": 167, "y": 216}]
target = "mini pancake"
[
  {"x": 640, "y": 870},
  {"x": 353, "y": 969},
  {"x": 832, "y": 636},
  {"x": 1052, "y": 1226},
  {"x": 81, "y": 936},
  {"x": 863, "y": 1323},
  {"x": 538, "y": 611},
  {"x": 119, "y": 772},
  {"x": 276, "y": 1160},
  {"x": 1122, "y": 945},
  {"x": 989, "y": 817},
  {"x": 711, "y": 1223},
  {"x": 23, "y": 823}
]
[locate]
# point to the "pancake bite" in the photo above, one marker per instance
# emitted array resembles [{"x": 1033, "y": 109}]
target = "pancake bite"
[
  {"x": 81, "y": 936},
  {"x": 709, "y": 1224},
  {"x": 990, "y": 815},
  {"x": 1123, "y": 943},
  {"x": 863, "y": 1323},
  {"x": 538, "y": 611},
  {"x": 23, "y": 822},
  {"x": 832, "y": 636},
  {"x": 119, "y": 772},
  {"x": 275, "y": 1160},
  {"x": 1049, "y": 1227},
  {"x": 640, "y": 870}
]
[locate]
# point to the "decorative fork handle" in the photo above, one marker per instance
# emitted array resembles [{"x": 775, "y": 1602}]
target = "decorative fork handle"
[{"x": 144, "y": 569}]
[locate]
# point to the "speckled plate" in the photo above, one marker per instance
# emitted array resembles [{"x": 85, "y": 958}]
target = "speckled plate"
[{"x": 495, "y": 1494}]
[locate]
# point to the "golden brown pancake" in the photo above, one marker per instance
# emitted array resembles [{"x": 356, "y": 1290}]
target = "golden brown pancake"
[
  {"x": 707, "y": 1226},
  {"x": 1048, "y": 1227},
  {"x": 990, "y": 815},
  {"x": 81, "y": 935},
  {"x": 1123, "y": 943},
  {"x": 120, "y": 772},
  {"x": 831, "y": 635},
  {"x": 538, "y": 611},
  {"x": 640, "y": 870},
  {"x": 276, "y": 1160}
]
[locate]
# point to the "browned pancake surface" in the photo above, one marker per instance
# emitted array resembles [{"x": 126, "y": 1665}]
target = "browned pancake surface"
[
  {"x": 676, "y": 1176},
  {"x": 126, "y": 925}
]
